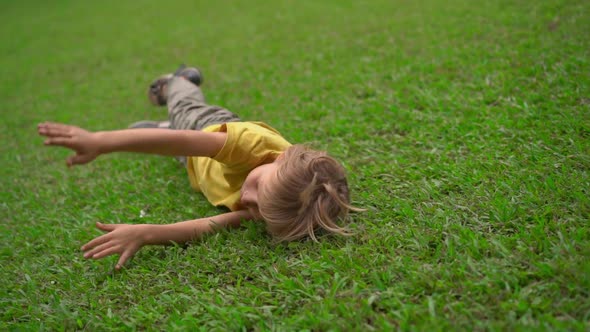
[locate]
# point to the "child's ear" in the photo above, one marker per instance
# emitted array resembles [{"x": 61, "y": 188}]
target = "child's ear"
[{"x": 280, "y": 156}]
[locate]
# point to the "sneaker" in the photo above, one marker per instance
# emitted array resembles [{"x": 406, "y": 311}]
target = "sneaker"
[
  {"x": 157, "y": 93},
  {"x": 150, "y": 124},
  {"x": 190, "y": 73}
]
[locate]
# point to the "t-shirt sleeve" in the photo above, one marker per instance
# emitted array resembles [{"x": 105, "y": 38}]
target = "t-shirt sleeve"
[{"x": 249, "y": 145}]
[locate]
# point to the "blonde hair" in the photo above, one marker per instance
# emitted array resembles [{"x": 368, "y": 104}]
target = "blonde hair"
[{"x": 310, "y": 192}]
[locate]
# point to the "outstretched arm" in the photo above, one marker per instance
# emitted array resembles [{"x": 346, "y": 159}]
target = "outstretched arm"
[
  {"x": 89, "y": 145},
  {"x": 126, "y": 239}
]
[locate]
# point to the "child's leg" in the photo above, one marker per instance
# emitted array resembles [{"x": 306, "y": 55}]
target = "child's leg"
[{"x": 187, "y": 108}]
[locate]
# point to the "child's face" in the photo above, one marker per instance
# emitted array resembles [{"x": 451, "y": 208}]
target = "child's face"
[{"x": 258, "y": 178}]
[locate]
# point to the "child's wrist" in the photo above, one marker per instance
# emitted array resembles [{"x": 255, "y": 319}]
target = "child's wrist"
[
  {"x": 99, "y": 141},
  {"x": 147, "y": 234}
]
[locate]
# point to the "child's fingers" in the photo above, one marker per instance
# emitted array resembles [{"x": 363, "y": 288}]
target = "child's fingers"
[
  {"x": 60, "y": 141},
  {"x": 106, "y": 227},
  {"x": 71, "y": 161},
  {"x": 50, "y": 132},
  {"x": 97, "y": 241},
  {"x": 55, "y": 125},
  {"x": 93, "y": 251},
  {"x": 54, "y": 130},
  {"x": 76, "y": 160},
  {"x": 106, "y": 252},
  {"x": 123, "y": 259}
]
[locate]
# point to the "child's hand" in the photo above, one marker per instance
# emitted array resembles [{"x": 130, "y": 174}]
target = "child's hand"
[
  {"x": 121, "y": 239},
  {"x": 84, "y": 143}
]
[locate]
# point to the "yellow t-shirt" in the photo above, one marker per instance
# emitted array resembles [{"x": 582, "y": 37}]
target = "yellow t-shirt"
[{"x": 248, "y": 145}]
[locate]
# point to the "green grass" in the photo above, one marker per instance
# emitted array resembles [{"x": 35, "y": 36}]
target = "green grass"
[{"x": 464, "y": 127}]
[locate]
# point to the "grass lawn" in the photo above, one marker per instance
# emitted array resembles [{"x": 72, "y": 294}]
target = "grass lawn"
[{"x": 464, "y": 127}]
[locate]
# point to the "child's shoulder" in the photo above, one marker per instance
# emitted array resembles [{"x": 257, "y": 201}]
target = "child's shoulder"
[
  {"x": 256, "y": 140},
  {"x": 243, "y": 127}
]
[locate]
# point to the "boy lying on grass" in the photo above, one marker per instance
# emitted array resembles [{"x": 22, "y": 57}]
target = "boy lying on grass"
[{"x": 245, "y": 166}]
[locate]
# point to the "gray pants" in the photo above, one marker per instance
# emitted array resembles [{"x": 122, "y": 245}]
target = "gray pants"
[{"x": 187, "y": 108}]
